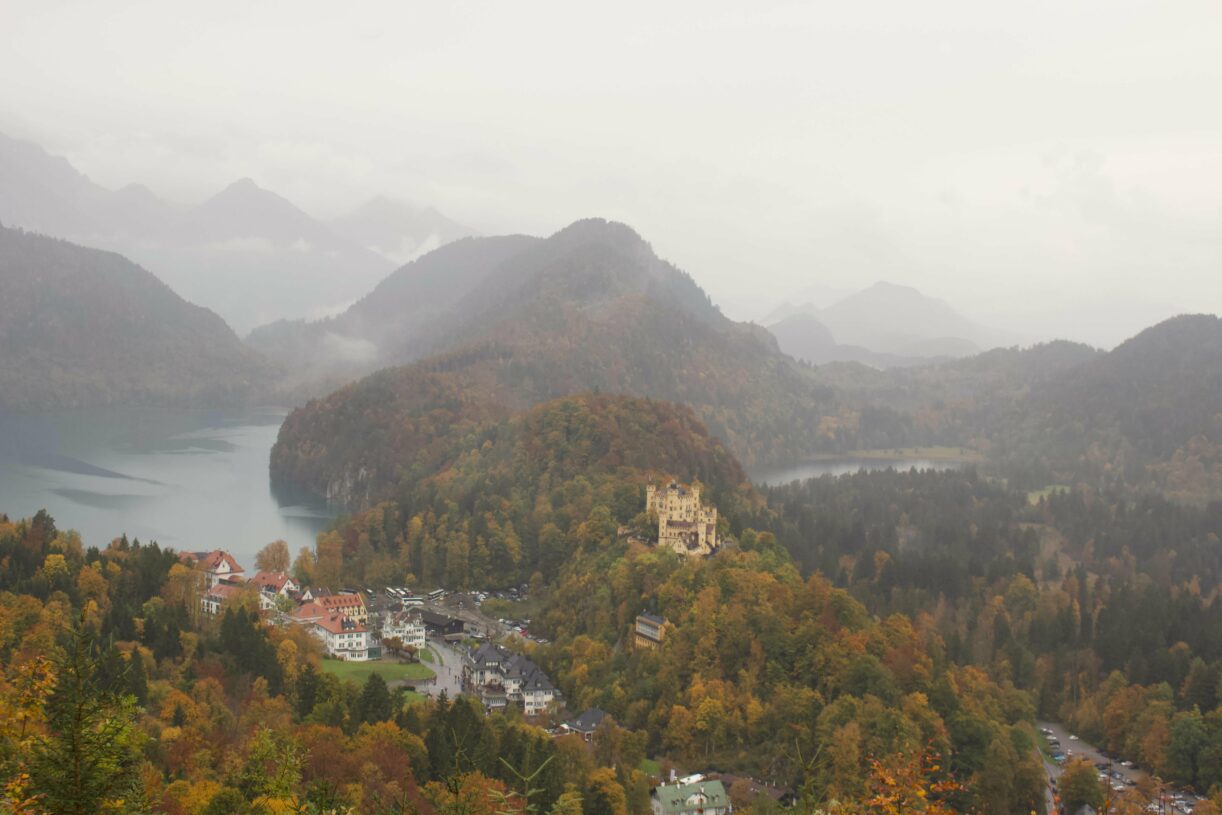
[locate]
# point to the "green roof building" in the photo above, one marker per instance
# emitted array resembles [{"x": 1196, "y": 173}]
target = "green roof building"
[{"x": 699, "y": 798}]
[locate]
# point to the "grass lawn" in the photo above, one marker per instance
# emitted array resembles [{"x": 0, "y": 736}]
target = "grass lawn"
[
  {"x": 651, "y": 767},
  {"x": 390, "y": 670},
  {"x": 427, "y": 655},
  {"x": 513, "y": 609},
  {"x": 1034, "y": 496}
]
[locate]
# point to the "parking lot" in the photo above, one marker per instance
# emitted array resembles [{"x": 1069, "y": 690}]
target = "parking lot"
[{"x": 1120, "y": 776}]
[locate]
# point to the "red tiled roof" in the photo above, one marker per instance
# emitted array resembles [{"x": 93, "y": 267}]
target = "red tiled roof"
[
  {"x": 212, "y": 561},
  {"x": 310, "y": 611},
  {"x": 345, "y": 601},
  {"x": 272, "y": 581},
  {"x": 339, "y": 624}
]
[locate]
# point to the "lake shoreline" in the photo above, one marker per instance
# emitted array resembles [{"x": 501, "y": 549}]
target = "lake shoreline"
[{"x": 849, "y": 462}]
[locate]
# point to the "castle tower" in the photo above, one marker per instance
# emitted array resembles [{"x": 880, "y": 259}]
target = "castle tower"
[{"x": 685, "y": 524}]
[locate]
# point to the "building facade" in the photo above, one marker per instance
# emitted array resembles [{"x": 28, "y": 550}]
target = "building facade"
[
  {"x": 407, "y": 627},
  {"x": 698, "y": 798},
  {"x": 649, "y": 631},
  {"x": 272, "y": 585},
  {"x": 342, "y": 637},
  {"x": 351, "y": 606},
  {"x": 214, "y": 598},
  {"x": 501, "y": 677},
  {"x": 216, "y": 565},
  {"x": 685, "y": 524}
]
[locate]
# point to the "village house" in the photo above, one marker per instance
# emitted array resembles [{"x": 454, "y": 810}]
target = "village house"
[
  {"x": 272, "y": 585},
  {"x": 704, "y": 797},
  {"x": 685, "y": 524},
  {"x": 649, "y": 631},
  {"x": 500, "y": 677},
  {"x": 585, "y": 724},
  {"x": 407, "y": 627},
  {"x": 216, "y": 596},
  {"x": 216, "y": 565},
  {"x": 351, "y": 606},
  {"x": 342, "y": 637}
]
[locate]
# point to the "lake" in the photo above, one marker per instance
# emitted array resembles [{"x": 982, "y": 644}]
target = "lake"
[
  {"x": 190, "y": 479},
  {"x": 846, "y": 466}
]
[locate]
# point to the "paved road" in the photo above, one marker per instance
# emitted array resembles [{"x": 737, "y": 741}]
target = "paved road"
[
  {"x": 1076, "y": 748},
  {"x": 448, "y": 668}
]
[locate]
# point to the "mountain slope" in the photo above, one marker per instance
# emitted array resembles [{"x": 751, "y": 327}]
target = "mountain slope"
[
  {"x": 901, "y": 320},
  {"x": 83, "y": 327},
  {"x": 1153, "y": 404},
  {"x": 803, "y": 336},
  {"x": 590, "y": 308},
  {"x": 398, "y": 231},
  {"x": 395, "y": 317}
]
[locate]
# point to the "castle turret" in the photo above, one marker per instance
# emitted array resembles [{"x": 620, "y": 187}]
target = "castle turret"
[{"x": 685, "y": 524}]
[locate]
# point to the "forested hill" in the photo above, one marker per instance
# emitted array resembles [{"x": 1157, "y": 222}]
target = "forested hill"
[
  {"x": 84, "y": 327},
  {"x": 495, "y": 500},
  {"x": 391, "y": 323},
  {"x": 1147, "y": 414},
  {"x": 449, "y": 296},
  {"x": 1150, "y": 411},
  {"x": 591, "y": 308}
]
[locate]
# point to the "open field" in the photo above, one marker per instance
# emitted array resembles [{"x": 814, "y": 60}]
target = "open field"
[{"x": 391, "y": 671}]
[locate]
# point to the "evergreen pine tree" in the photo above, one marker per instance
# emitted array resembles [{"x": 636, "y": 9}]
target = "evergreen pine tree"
[
  {"x": 90, "y": 756},
  {"x": 374, "y": 702}
]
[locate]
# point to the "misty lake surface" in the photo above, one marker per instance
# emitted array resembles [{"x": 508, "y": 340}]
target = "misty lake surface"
[
  {"x": 846, "y": 466},
  {"x": 190, "y": 479}
]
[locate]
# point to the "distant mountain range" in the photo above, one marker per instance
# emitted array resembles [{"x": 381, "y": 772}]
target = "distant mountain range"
[
  {"x": 398, "y": 231},
  {"x": 883, "y": 326},
  {"x": 83, "y": 327},
  {"x": 247, "y": 253}
]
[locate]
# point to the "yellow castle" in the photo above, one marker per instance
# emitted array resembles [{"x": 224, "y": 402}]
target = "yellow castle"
[{"x": 684, "y": 523}]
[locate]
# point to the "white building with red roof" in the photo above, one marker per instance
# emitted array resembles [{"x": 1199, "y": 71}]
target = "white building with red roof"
[
  {"x": 214, "y": 598},
  {"x": 272, "y": 585},
  {"x": 351, "y": 606},
  {"x": 216, "y": 565},
  {"x": 342, "y": 637}
]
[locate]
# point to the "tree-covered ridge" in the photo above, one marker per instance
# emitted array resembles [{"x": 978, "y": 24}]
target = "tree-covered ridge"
[
  {"x": 83, "y": 327},
  {"x": 1104, "y": 607},
  {"x": 517, "y": 496},
  {"x": 763, "y": 672},
  {"x": 743, "y": 390},
  {"x": 790, "y": 679},
  {"x": 1145, "y": 415},
  {"x": 590, "y": 308},
  {"x": 1149, "y": 411}
]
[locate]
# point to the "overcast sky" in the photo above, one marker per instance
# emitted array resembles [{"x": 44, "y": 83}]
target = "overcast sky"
[{"x": 1008, "y": 157}]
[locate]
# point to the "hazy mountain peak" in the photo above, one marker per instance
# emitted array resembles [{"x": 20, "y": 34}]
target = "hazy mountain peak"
[
  {"x": 244, "y": 183},
  {"x": 398, "y": 230},
  {"x": 245, "y": 189},
  {"x": 601, "y": 230}
]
